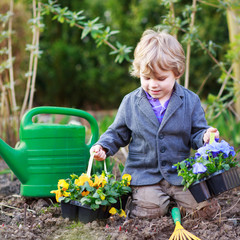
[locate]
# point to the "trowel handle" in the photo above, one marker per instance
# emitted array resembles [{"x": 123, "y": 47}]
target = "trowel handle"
[
  {"x": 27, "y": 118},
  {"x": 176, "y": 215},
  {"x": 212, "y": 138}
]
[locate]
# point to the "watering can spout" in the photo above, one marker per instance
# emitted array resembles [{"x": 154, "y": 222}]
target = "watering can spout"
[{"x": 13, "y": 157}]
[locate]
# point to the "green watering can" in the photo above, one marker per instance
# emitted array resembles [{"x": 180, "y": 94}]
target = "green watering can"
[{"x": 48, "y": 152}]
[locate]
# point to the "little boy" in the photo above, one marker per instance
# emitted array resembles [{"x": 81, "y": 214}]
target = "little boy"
[{"x": 160, "y": 121}]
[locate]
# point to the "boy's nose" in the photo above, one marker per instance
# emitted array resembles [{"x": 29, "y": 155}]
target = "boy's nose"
[{"x": 154, "y": 83}]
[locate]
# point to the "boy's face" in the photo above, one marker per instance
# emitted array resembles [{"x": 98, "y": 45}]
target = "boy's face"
[{"x": 160, "y": 84}]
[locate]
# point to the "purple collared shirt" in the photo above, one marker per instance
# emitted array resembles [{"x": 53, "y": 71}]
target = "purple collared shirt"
[{"x": 158, "y": 109}]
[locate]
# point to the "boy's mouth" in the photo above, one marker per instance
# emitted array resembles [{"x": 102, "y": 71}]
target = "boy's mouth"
[{"x": 155, "y": 91}]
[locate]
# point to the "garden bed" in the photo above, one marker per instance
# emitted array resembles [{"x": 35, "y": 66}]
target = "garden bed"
[{"x": 42, "y": 219}]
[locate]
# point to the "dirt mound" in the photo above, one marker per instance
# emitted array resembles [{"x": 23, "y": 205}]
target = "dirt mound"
[{"x": 40, "y": 218}]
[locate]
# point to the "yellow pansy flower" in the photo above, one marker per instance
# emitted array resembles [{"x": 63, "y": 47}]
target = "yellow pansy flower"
[
  {"x": 63, "y": 184},
  {"x": 122, "y": 214},
  {"x": 99, "y": 181},
  {"x": 102, "y": 197},
  {"x": 113, "y": 211},
  {"x": 66, "y": 194},
  {"x": 128, "y": 177},
  {"x": 82, "y": 179},
  {"x": 77, "y": 182},
  {"x": 58, "y": 194}
]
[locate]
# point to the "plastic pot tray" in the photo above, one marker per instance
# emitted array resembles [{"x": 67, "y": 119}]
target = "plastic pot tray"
[
  {"x": 223, "y": 181},
  {"x": 74, "y": 210},
  {"x": 200, "y": 191},
  {"x": 216, "y": 184}
]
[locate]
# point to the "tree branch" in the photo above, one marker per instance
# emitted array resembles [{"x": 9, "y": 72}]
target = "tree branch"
[{"x": 187, "y": 70}]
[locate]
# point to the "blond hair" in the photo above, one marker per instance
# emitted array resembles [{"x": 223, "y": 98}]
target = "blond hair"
[{"x": 158, "y": 48}]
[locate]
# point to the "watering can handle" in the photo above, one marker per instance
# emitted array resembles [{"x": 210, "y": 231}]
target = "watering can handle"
[{"x": 27, "y": 118}]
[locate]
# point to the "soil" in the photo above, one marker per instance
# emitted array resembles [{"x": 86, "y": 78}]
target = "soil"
[{"x": 40, "y": 218}]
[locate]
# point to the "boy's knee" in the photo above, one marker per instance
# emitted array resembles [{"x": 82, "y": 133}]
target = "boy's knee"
[
  {"x": 148, "y": 202},
  {"x": 147, "y": 210}
]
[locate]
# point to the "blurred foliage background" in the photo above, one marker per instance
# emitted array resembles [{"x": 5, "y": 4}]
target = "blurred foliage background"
[{"x": 76, "y": 73}]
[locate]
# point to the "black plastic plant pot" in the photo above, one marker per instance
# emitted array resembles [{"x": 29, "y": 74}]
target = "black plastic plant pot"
[
  {"x": 86, "y": 214},
  {"x": 69, "y": 210},
  {"x": 74, "y": 210},
  {"x": 103, "y": 212},
  {"x": 223, "y": 181},
  {"x": 200, "y": 191}
]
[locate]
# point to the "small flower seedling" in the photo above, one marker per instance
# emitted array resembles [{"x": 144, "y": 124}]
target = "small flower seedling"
[
  {"x": 94, "y": 191},
  {"x": 208, "y": 159}
]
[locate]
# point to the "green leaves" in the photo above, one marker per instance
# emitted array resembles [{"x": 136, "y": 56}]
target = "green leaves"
[
  {"x": 112, "y": 200},
  {"x": 103, "y": 36},
  {"x": 184, "y": 169},
  {"x": 93, "y": 191},
  {"x": 122, "y": 52},
  {"x": 89, "y": 27}
]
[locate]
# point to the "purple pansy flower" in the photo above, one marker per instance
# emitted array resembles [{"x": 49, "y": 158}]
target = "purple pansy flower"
[
  {"x": 202, "y": 152},
  {"x": 215, "y": 149},
  {"x": 224, "y": 147},
  {"x": 199, "y": 168},
  {"x": 232, "y": 152},
  {"x": 188, "y": 164},
  {"x": 174, "y": 167}
]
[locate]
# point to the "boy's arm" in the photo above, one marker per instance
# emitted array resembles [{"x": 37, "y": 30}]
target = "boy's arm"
[
  {"x": 199, "y": 125},
  {"x": 118, "y": 134}
]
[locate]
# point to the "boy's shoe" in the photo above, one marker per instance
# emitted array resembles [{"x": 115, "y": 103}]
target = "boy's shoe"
[
  {"x": 210, "y": 211},
  {"x": 206, "y": 210}
]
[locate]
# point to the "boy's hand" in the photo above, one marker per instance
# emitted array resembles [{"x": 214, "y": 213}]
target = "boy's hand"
[
  {"x": 206, "y": 136},
  {"x": 100, "y": 154}
]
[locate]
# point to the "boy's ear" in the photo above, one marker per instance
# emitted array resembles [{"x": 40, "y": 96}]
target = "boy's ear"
[{"x": 178, "y": 76}]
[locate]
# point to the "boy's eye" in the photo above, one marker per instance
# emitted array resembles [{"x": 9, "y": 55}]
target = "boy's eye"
[{"x": 161, "y": 79}]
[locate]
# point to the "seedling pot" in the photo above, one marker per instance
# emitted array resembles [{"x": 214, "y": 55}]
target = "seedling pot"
[
  {"x": 223, "y": 181},
  {"x": 215, "y": 184},
  {"x": 74, "y": 210},
  {"x": 200, "y": 191},
  {"x": 69, "y": 210},
  {"x": 86, "y": 214}
]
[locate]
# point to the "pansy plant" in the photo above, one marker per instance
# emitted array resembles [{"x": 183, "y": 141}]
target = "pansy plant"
[
  {"x": 208, "y": 159},
  {"x": 94, "y": 191}
]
